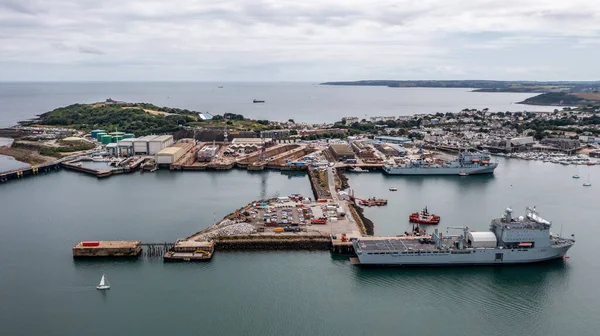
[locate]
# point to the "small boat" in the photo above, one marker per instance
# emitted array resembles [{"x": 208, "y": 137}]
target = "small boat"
[
  {"x": 424, "y": 217},
  {"x": 591, "y": 163},
  {"x": 575, "y": 176},
  {"x": 462, "y": 174},
  {"x": 393, "y": 189},
  {"x": 258, "y": 101},
  {"x": 588, "y": 183},
  {"x": 103, "y": 284},
  {"x": 358, "y": 170}
]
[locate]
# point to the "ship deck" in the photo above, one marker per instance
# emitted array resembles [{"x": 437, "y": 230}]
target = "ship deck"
[{"x": 394, "y": 245}]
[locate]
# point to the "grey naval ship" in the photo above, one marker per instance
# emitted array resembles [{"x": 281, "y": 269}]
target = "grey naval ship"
[
  {"x": 467, "y": 163},
  {"x": 510, "y": 240}
]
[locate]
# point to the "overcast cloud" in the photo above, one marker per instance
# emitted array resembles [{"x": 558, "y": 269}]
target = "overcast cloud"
[{"x": 308, "y": 40}]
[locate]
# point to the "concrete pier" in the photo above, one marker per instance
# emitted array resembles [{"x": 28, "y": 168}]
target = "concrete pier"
[
  {"x": 28, "y": 171},
  {"x": 188, "y": 250},
  {"x": 114, "y": 248}
]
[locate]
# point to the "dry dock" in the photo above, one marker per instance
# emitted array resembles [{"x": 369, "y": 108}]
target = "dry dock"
[{"x": 113, "y": 248}]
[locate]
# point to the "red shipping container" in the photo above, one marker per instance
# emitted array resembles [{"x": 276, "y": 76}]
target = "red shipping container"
[{"x": 90, "y": 243}]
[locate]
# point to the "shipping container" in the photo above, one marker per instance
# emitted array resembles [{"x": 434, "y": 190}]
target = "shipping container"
[
  {"x": 90, "y": 243},
  {"x": 322, "y": 200},
  {"x": 278, "y": 230}
]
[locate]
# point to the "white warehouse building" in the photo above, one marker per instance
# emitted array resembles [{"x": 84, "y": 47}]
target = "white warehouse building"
[
  {"x": 152, "y": 144},
  {"x": 159, "y": 143}
]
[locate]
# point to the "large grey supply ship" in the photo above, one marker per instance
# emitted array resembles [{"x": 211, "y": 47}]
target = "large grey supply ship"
[
  {"x": 509, "y": 241},
  {"x": 467, "y": 163}
]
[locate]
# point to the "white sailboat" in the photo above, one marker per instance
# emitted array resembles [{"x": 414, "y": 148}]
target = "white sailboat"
[
  {"x": 588, "y": 183},
  {"x": 103, "y": 283}
]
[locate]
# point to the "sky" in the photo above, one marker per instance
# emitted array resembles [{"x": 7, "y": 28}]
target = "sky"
[{"x": 292, "y": 40}]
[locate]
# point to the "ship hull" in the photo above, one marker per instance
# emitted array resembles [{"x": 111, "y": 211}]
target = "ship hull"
[
  {"x": 478, "y": 170},
  {"x": 473, "y": 257}
]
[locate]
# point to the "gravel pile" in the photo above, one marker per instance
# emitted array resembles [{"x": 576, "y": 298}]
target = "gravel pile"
[
  {"x": 231, "y": 229},
  {"x": 223, "y": 223}
]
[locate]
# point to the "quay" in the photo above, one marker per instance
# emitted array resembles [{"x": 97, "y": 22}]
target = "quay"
[
  {"x": 127, "y": 165},
  {"x": 115, "y": 248},
  {"x": 190, "y": 251},
  {"x": 29, "y": 171},
  {"x": 271, "y": 243}
]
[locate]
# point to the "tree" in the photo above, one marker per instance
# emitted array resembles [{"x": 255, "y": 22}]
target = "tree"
[
  {"x": 539, "y": 135},
  {"x": 391, "y": 123},
  {"x": 292, "y": 121}
]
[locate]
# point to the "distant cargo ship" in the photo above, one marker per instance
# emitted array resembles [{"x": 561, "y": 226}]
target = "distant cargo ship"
[
  {"x": 509, "y": 241},
  {"x": 467, "y": 163},
  {"x": 258, "y": 101}
]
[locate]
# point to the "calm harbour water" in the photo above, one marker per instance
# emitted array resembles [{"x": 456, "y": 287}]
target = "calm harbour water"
[
  {"x": 43, "y": 291},
  {"x": 307, "y": 102}
]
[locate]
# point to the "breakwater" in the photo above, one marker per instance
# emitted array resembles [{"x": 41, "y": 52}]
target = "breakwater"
[
  {"x": 318, "y": 183},
  {"x": 366, "y": 225}
]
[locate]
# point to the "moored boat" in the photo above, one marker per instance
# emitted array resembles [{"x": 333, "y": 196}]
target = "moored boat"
[
  {"x": 510, "y": 240},
  {"x": 424, "y": 217},
  {"x": 373, "y": 202},
  {"x": 358, "y": 170},
  {"x": 393, "y": 189}
]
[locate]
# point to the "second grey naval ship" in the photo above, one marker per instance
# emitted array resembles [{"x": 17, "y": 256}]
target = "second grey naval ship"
[
  {"x": 467, "y": 163},
  {"x": 510, "y": 240}
]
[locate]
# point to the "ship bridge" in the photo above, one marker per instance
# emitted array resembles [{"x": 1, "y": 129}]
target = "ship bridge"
[{"x": 525, "y": 231}]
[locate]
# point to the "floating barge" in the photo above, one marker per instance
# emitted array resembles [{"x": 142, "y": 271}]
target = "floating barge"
[
  {"x": 113, "y": 248},
  {"x": 190, "y": 250}
]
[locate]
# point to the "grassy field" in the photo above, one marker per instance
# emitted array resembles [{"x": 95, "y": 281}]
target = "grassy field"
[
  {"x": 588, "y": 95},
  {"x": 153, "y": 112}
]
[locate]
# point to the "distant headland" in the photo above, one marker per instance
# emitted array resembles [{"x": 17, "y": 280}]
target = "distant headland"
[{"x": 567, "y": 93}]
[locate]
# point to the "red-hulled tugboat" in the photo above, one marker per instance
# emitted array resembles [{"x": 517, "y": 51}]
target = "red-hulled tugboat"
[{"x": 424, "y": 217}]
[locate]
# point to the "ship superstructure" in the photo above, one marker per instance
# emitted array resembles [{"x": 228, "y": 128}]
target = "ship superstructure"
[
  {"x": 510, "y": 240},
  {"x": 467, "y": 163}
]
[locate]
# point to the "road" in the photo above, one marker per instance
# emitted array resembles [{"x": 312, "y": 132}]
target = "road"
[{"x": 331, "y": 182}]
